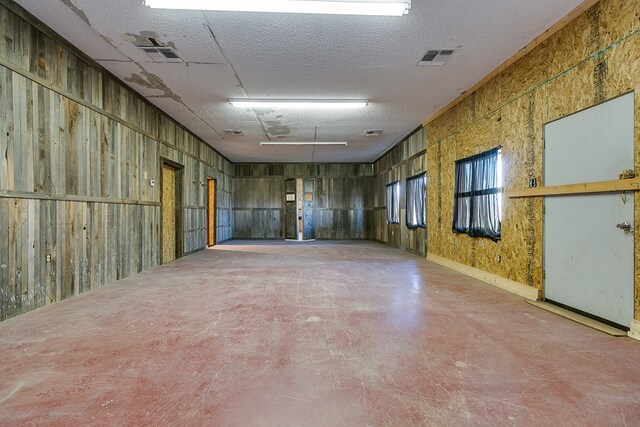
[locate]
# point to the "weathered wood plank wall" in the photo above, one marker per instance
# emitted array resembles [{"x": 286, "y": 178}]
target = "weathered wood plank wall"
[
  {"x": 406, "y": 159},
  {"x": 77, "y": 151},
  {"x": 343, "y": 199},
  {"x": 594, "y": 58}
]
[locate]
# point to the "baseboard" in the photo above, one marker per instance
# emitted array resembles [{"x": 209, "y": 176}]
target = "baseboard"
[
  {"x": 517, "y": 288},
  {"x": 634, "y": 330}
]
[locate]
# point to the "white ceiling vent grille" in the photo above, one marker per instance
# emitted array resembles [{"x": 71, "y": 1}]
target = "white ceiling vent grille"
[
  {"x": 158, "y": 51},
  {"x": 162, "y": 54},
  {"x": 436, "y": 57},
  {"x": 373, "y": 133}
]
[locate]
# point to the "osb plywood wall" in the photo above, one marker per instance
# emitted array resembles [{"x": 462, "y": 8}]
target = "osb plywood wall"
[
  {"x": 342, "y": 191},
  {"x": 593, "y": 59},
  {"x": 406, "y": 159},
  {"x": 77, "y": 152}
]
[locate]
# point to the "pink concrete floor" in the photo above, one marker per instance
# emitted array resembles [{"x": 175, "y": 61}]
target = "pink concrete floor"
[{"x": 317, "y": 334}]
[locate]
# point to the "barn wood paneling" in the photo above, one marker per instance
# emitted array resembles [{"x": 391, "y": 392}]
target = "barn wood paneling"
[
  {"x": 594, "y": 58},
  {"x": 77, "y": 152},
  {"x": 343, "y": 199},
  {"x": 406, "y": 159}
]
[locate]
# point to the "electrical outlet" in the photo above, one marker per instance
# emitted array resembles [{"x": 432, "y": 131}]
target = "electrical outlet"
[
  {"x": 48, "y": 257},
  {"x": 499, "y": 258}
]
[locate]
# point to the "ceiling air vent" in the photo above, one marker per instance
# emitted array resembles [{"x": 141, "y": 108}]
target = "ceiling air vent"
[
  {"x": 233, "y": 132},
  {"x": 436, "y": 57},
  {"x": 158, "y": 51},
  {"x": 162, "y": 54},
  {"x": 373, "y": 133}
]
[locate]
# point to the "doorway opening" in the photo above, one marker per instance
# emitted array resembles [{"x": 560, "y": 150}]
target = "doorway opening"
[{"x": 299, "y": 209}]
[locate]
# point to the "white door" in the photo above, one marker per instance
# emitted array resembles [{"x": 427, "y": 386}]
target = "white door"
[{"x": 588, "y": 259}]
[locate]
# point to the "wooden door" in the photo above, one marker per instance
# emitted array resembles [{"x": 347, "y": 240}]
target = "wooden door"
[
  {"x": 169, "y": 220},
  {"x": 211, "y": 212},
  {"x": 588, "y": 239}
]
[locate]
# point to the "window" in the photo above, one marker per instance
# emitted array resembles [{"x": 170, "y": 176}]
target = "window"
[
  {"x": 393, "y": 203},
  {"x": 477, "y": 199},
  {"x": 416, "y": 201}
]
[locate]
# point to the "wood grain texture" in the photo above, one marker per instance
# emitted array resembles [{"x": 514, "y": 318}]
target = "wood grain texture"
[
  {"x": 169, "y": 220},
  {"x": 582, "y": 188},
  {"x": 211, "y": 212},
  {"x": 77, "y": 152},
  {"x": 343, "y": 197}
]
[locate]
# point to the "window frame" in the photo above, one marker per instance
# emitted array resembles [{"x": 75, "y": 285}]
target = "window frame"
[
  {"x": 422, "y": 198},
  {"x": 477, "y": 200},
  {"x": 393, "y": 205}
]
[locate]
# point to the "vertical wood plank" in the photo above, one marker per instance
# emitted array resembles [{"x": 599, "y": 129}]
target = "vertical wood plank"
[
  {"x": 4, "y": 258},
  {"x": 6, "y": 125},
  {"x": 50, "y": 144},
  {"x": 31, "y": 258},
  {"x": 42, "y": 154},
  {"x": 48, "y": 235}
]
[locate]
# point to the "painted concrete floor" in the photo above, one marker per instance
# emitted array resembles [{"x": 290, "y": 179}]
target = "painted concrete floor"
[{"x": 312, "y": 334}]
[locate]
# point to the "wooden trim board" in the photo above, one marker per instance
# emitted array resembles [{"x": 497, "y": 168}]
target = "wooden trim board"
[
  {"x": 583, "y": 320},
  {"x": 634, "y": 330},
  {"x": 517, "y": 288},
  {"x": 582, "y": 188},
  {"x": 582, "y": 7},
  {"x": 4, "y": 194}
]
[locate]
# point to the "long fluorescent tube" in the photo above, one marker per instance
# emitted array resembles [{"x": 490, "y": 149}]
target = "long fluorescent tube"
[
  {"x": 302, "y": 143},
  {"x": 325, "y": 104},
  {"x": 289, "y": 6}
]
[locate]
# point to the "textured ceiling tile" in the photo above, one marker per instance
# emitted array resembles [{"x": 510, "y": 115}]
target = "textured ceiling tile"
[{"x": 233, "y": 54}]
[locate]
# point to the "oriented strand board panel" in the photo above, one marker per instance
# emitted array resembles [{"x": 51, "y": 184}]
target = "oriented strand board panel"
[
  {"x": 592, "y": 59},
  {"x": 79, "y": 149}
]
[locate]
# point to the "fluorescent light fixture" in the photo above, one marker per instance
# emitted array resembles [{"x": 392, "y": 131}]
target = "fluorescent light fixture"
[
  {"x": 289, "y": 6},
  {"x": 303, "y": 143},
  {"x": 324, "y": 104}
]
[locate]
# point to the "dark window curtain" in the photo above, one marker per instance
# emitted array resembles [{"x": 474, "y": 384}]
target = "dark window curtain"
[
  {"x": 462, "y": 197},
  {"x": 416, "y": 201},
  {"x": 476, "y": 198},
  {"x": 393, "y": 203}
]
